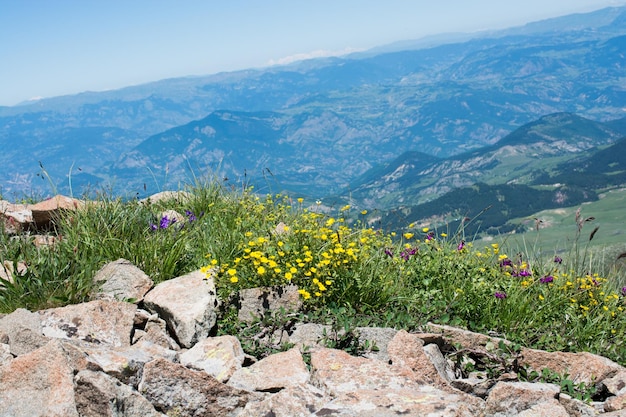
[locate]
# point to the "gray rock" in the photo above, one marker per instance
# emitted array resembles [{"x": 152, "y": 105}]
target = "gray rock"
[
  {"x": 255, "y": 302},
  {"x": 293, "y": 401},
  {"x": 514, "y": 398},
  {"x": 308, "y": 335},
  {"x": 5, "y": 354},
  {"x": 98, "y": 322},
  {"x": 219, "y": 357},
  {"x": 187, "y": 304},
  {"x": 272, "y": 373},
  {"x": 576, "y": 408},
  {"x": 177, "y": 390},
  {"x": 366, "y": 387},
  {"x": 126, "y": 363},
  {"x": 122, "y": 281},
  {"x": 99, "y": 395},
  {"x": 155, "y": 331},
  {"x": 378, "y": 337},
  {"x": 439, "y": 362},
  {"x": 23, "y": 330}
]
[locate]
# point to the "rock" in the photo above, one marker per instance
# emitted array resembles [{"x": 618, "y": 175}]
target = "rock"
[
  {"x": 308, "y": 335},
  {"x": 23, "y": 331},
  {"x": 219, "y": 357},
  {"x": 99, "y": 395},
  {"x": 407, "y": 350},
  {"x": 581, "y": 367},
  {"x": 122, "y": 281},
  {"x": 616, "y": 384},
  {"x": 293, "y": 401},
  {"x": 8, "y": 270},
  {"x": 40, "y": 383},
  {"x": 476, "y": 386},
  {"x": 366, "y": 387},
  {"x": 179, "y": 196},
  {"x": 273, "y": 373},
  {"x": 524, "y": 399},
  {"x": 439, "y": 362},
  {"x": 574, "y": 407},
  {"x": 176, "y": 390},
  {"x": 155, "y": 331},
  {"x": 376, "y": 337},
  {"x": 99, "y": 322},
  {"x": 255, "y": 302},
  {"x": 126, "y": 363},
  {"x": 45, "y": 212},
  {"x": 5, "y": 354},
  {"x": 14, "y": 218},
  {"x": 187, "y": 305}
]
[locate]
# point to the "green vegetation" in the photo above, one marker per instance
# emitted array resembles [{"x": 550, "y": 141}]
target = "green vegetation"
[{"x": 349, "y": 274}]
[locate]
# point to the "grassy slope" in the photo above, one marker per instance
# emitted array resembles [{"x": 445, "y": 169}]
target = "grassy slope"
[{"x": 558, "y": 227}]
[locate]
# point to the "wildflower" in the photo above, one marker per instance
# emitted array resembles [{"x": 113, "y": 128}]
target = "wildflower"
[
  {"x": 444, "y": 235},
  {"x": 505, "y": 262},
  {"x": 558, "y": 260},
  {"x": 430, "y": 235},
  {"x": 407, "y": 253},
  {"x": 345, "y": 208},
  {"x": 547, "y": 279},
  {"x": 389, "y": 253},
  {"x": 408, "y": 236},
  {"x": 500, "y": 295},
  {"x": 166, "y": 222},
  {"x": 191, "y": 216},
  {"x": 300, "y": 200},
  {"x": 425, "y": 229},
  {"x": 624, "y": 291},
  {"x": 364, "y": 212},
  {"x": 260, "y": 270}
]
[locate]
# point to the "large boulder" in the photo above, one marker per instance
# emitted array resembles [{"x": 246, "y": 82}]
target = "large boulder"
[{"x": 187, "y": 304}]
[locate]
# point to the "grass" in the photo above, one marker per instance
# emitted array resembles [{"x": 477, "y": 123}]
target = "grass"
[{"x": 349, "y": 274}]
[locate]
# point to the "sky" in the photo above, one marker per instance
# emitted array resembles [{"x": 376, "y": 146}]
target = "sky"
[{"x": 57, "y": 47}]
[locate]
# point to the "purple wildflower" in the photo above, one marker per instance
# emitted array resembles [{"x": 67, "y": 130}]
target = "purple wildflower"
[
  {"x": 389, "y": 252},
  {"x": 547, "y": 279},
  {"x": 191, "y": 216},
  {"x": 461, "y": 245},
  {"x": 506, "y": 262},
  {"x": 407, "y": 253},
  {"x": 558, "y": 260},
  {"x": 153, "y": 227},
  {"x": 624, "y": 291},
  {"x": 500, "y": 295},
  {"x": 166, "y": 222},
  {"x": 430, "y": 235},
  {"x": 524, "y": 273}
]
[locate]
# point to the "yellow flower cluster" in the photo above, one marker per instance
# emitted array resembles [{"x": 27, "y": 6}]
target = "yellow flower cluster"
[{"x": 310, "y": 254}]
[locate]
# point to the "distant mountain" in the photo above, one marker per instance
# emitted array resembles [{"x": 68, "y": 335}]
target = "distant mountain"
[
  {"x": 318, "y": 125},
  {"x": 520, "y": 157},
  {"x": 566, "y": 176}
]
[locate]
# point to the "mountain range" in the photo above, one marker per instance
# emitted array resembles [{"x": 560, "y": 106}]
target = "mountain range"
[{"x": 391, "y": 128}]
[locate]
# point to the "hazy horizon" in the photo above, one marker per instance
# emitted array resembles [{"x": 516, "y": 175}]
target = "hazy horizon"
[{"x": 66, "y": 47}]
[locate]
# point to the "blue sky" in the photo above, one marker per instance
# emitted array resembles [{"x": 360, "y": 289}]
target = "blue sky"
[{"x": 56, "y": 47}]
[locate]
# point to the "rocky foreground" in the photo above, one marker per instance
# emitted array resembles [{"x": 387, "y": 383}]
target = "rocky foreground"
[
  {"x": 155, "y": 356},
  {"x": 142, "y": 350}
]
